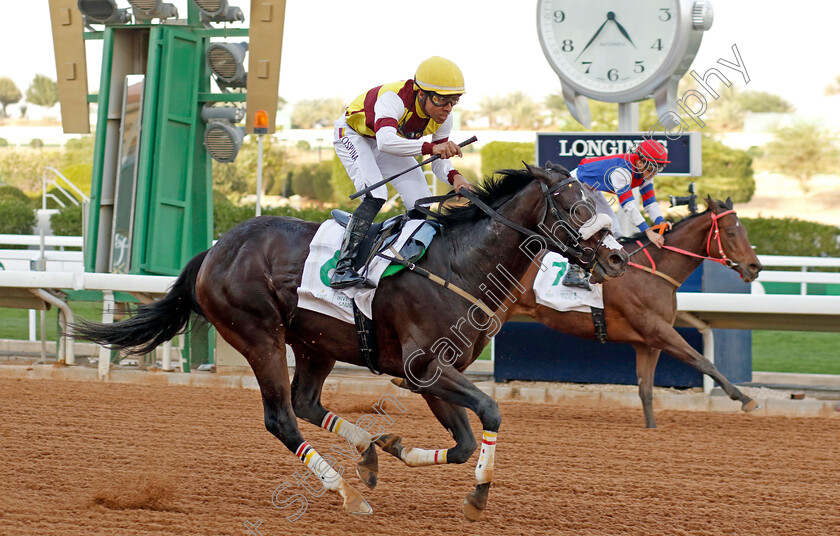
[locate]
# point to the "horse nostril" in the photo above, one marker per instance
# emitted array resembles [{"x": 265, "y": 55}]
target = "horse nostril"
[
  {"x": 756, "y": 267},
  {"x": 616, "y": 260}
]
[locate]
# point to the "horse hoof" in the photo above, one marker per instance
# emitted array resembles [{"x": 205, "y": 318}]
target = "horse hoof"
[
  {"x": 367, "y": 476},
  {"x": 354, "y": 503},
  {"x": 390, "y": 444},
  {"x": 368, "y": 468},
  {"x": 751, "y": 406},
  {"x": 476, "y": 501}
]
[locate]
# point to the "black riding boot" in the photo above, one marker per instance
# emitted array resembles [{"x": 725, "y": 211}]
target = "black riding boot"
[
  {"x": 576, "y": 277},
  {"x": 344, "y": 275}
]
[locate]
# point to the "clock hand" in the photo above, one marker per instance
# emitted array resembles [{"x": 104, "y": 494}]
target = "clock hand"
[
  {"x": 593, "y": 37},
  {"x": 611, "y": 16}
]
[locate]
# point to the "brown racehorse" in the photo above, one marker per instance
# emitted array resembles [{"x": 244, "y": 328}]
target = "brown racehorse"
[
  {"x": 246, "y": 286},
  {"x": 640, "y": 307}
]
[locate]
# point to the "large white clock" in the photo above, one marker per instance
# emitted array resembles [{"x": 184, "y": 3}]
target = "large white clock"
[{"x": 620, "y": 50}]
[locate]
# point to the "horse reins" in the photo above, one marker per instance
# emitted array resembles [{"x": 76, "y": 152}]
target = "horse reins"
[
  {"x": 551, "y": 205},
  {"x": 713, "y": 231}
]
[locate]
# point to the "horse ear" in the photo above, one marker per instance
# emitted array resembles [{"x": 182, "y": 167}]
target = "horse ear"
[
  {"x": 536, "y": 171},
  {"x": 559, "y": 168},
  {"x": 709, "y": 201},
  {"x": 729, "y": 202}
]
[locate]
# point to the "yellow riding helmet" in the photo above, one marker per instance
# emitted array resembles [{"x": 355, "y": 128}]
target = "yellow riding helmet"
[{"x": 440, "y": 76}]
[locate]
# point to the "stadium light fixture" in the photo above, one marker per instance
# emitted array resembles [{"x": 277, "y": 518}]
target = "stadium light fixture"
[
  {"x": 103, "y": 12},
  {"x": 221, "y": 136},
  {"x": 227, "y": 63},
  {"x": 146, "y": 10},
  {"x": 218, "y": 11}
]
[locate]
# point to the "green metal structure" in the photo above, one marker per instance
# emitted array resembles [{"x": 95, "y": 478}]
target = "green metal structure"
[{"x": 172, "y": 209}]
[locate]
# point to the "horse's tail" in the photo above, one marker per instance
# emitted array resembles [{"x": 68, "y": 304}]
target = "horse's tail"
[{"x": 154, "y": 323}]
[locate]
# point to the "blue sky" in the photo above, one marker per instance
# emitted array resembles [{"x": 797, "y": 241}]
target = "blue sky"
[{"x": 336, "y": 48}]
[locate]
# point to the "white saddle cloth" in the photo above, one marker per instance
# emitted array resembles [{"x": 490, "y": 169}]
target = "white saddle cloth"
[
  {"x": 550, "y": 291},
  {"x": 315, "y": 293}
]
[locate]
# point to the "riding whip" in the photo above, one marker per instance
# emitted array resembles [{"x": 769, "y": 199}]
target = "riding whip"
[{"x": 429, "y": 160}]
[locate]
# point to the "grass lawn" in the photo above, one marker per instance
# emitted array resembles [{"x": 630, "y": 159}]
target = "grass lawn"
[
  {"x": 796, "y": 351},
  {"x": 14, "y": 323}
]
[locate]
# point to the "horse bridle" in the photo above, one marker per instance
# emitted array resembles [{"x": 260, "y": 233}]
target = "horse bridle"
[{"x": 714, "y": 231}]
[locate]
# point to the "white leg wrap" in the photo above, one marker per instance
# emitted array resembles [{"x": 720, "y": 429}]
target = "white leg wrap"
[
  {"x": 486, "y": 460},
  {"x": 421, "y": 457},
  {"x": 359, "y": 437},
  {"x": 328, "y": 476}
]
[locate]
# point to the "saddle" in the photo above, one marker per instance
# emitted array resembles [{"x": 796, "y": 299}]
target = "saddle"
[{"x": 383, "y": 234}]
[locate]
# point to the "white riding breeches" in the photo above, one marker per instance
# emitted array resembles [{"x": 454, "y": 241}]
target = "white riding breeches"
[{"x": 366, "y": 164}]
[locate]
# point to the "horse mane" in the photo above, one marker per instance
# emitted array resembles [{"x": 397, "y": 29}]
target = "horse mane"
[
  {"x": 640, "y": 236},
  {"x": 494, "y": 192}
]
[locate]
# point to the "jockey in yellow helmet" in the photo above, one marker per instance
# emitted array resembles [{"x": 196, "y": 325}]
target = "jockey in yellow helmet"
[{"x": 379, "y": 135}]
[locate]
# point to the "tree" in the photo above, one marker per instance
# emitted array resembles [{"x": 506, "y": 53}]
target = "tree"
[
  {"x": 604, "y": 115},
  {"x": 490, "y": 107},
  {"x": 764, "y": 102},
  {"x": 834, "y": 87},
  {"x": 43, "y": 91},
  {"x": 239, "y": 177},
  {"x": 317, "y": 112},
  {"x": 727, "y": 112},
  {"x": 521, "y": 110},
  {"x": 803, "y": 150},
  {"x": 9, "y": 93}
]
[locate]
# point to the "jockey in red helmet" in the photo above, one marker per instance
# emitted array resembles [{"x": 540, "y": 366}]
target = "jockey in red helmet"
[{"x": 620, "y": 174}]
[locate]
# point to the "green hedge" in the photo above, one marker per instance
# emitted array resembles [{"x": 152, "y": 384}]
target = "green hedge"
[
  {"x": 505, "y": 155},
  {"x": 226, "y": 215},
  {"x": 9, "y": 192},
  {"x": 790, "y": 236},
  {"x": 16, "y": 216},
  {"x": 67, "y": 221}
]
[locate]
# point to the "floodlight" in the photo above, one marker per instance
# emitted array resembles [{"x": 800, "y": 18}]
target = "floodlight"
[
  {"x": 103, "y": 12},
  {"x": 227, "y": 62},
  {"x": 146, "y": 10},
  {"x": 221, "y": 137},
  {"x": 218, "y": 11}
]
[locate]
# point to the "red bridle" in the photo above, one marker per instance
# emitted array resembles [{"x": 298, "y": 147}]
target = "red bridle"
[{"x": 714, "y": 231}]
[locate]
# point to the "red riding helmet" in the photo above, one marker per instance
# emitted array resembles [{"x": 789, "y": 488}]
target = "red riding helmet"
[{"x": 654, "y": 151}]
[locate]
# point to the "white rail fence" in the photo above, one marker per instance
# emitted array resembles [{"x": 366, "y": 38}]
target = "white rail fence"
[
  {"x": 803, "y": 276},
  {"x": 64, "y": 270}
]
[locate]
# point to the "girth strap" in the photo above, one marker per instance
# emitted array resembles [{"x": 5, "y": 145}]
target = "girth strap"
[
  {"x": 367, "y": 339},
  {"x": 600, "y": 322}
]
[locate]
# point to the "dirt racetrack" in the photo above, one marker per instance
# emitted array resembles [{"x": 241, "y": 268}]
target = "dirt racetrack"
[{"x": 93, "y": 458}]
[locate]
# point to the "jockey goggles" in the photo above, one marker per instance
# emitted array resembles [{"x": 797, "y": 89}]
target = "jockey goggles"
[
  {"x": 442, "y": 100},
  {"x": 650, "y": 163}
]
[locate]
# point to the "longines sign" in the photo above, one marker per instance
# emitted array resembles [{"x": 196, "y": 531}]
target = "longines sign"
[{"x": 569, "y": 149}]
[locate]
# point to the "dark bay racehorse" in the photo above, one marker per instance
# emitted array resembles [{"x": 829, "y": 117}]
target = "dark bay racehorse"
[
  {"x": 246, "y": 286},
  {"x": 641, "y": 307}
]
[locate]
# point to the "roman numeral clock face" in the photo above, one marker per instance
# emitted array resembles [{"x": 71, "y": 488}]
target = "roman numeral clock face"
[{"x": 608, "y": 48}]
